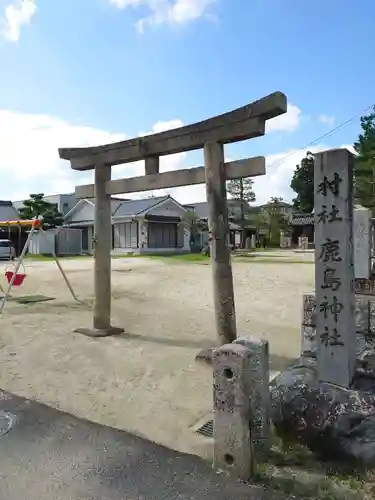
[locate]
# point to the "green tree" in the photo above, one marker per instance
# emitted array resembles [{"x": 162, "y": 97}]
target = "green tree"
[
  {"x": 35, "y": 206},
  {"x": 276, "y": 221},
  {"x": 194, "y": 225},
  {"x": 303, "y": 184},
  {"x": 242, "y": 190},
  {"x": 364, "y": 166}
]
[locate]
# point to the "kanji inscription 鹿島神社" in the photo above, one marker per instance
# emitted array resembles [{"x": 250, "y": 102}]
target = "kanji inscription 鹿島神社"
[{"x": 334, "y": 275}]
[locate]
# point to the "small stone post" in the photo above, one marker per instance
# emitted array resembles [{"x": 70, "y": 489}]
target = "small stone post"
[
  {"x": 220, "y": 256},
  {"x": 259, "y": 393},
  {"x": 334, "y": 269},
  {"x": 233, "y": 449},
  {"x": 362, "y": 242}
]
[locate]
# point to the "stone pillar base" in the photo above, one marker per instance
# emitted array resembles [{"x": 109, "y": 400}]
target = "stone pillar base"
[{"x": 97, "y": 332}]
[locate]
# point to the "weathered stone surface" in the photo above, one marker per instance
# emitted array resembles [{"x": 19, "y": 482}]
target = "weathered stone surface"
[
  {"x": 232, "y": 435},
  {"x": 364, "y": 313},
  {"x": 372, "y": 317},
  {"x": 100, "y": 332},
  {"x": 365, "y": 324},
  {"x": 333, "y": 422},
  {"x": 334, "y": 269},
  {"x": 308, "y": 342},
  {"x": 259, "y": 393},
  {"x": 362, "y": 318},
  {"x": 365, "y": 286},
  {"x": 309, "y": 303},
  {"x": 362, "y": 242}
]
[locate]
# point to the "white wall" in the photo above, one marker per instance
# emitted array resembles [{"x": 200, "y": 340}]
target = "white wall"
[{"x": 42, "y": 243}]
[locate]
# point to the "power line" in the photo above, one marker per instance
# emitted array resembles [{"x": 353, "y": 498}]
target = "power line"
[{"x": 327, "y": 134}]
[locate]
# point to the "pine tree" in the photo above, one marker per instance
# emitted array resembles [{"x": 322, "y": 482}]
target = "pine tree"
[
  {"x": 35, "y": 206},
  {"x": 242, "y": 190}
]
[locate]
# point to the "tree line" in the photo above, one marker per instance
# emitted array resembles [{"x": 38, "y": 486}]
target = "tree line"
[{"x": 364, "y": 171}]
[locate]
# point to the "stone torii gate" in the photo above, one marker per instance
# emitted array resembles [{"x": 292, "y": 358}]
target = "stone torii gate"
[{"x": 241, "y": 124}]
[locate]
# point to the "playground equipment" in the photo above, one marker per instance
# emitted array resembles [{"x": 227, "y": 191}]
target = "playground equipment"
[{"x": 16, "y": 277}]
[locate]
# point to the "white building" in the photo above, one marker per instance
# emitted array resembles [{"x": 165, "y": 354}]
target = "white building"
[
  {"x": 63, "y": 202},
  {"x": 149, "y": 225}
]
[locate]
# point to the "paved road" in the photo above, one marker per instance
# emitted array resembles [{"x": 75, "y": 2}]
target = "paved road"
[{"x": 52, "y": 455}]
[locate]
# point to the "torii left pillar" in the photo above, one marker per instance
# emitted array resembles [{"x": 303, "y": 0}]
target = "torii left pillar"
[{"x": 102, "y": 258}]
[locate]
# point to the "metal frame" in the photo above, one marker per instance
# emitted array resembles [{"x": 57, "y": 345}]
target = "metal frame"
[{"x": 35, "y": 225}]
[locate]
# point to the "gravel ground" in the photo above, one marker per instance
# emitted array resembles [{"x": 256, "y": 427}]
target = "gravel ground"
[{"x": 145, "y": 381}]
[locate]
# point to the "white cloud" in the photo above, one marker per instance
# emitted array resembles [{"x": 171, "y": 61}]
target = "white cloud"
[
  {"x": 167, "y": 11},
  {"x": 16, "y": 14},
  {"x": 280, "y": 168},
  {"x": 288, "y": 122},
  {"x": 327, "y": 120},
  {"x": 279, "y": 172},
  {"x": 29, "y": 160}
]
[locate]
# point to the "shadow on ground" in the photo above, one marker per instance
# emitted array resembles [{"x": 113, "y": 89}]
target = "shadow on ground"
[
  {"x": 49, "y": 454},
  {"x": 277, "y": 362}
]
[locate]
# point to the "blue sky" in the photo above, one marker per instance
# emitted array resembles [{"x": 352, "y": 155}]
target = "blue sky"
[{"x": 85, "y": 72}]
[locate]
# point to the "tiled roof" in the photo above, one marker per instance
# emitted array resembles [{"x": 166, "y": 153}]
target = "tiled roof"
[
  {"x": 115, "y": 203},
  {"x": 134, "y": 207},
  {"x": 302, "y": 219}
]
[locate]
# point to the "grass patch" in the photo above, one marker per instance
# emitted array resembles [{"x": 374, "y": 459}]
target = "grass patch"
[
  {"x": 177, "y": 258},
  {"x": 294, "y": 470},
  {"x": 258, "y": 250},
  {"x": 186, "y": 257},
  {"x": 46, "y": 258},
  {"x": 255, "y": 255},
  {"x": 271, "y": 260}
]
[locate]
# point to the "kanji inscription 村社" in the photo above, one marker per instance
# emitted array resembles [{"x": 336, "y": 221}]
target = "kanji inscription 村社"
[{"x": 334, "y": 275}]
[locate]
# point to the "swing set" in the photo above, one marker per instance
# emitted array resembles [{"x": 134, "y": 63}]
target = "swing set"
[{"x": 15, "y": 276}]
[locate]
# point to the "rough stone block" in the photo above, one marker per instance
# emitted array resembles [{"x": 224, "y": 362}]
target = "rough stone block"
[
  {"x": 259, "y": 396},
  {"x": 308, "y": 344},
  {"x": 365, "y": 327},
  {"x": 362, "y": 315},
  {"x": 308, "y": 310},
  {"x": 362, "y": 242},
  {"x": 233, "y": 449},
  {"x": 371, "y": 317},
  {"x": 364, "y": 286}
]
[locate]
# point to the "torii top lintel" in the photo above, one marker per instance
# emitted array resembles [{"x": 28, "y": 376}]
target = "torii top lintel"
[{"x": 237, "y": 125}]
